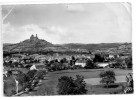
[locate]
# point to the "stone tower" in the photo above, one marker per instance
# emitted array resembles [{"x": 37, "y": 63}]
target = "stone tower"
[
  {"x": 33, "y": 38},
  {"x": 36, "y": 36}
]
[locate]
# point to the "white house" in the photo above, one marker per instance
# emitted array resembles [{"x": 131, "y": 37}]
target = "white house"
[
  {"x": 81, "y": 63},
  {"x": 33, "y": 67},
  {"x": 103, "y": 65},
  {"x": 111, "y": 56},
  {"x": 38, "y": 67}
]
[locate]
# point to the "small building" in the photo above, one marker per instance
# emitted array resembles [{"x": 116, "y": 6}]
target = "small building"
[
  {"x": 103, "y": 65},
  {"x": 111, "y": 56},
  {"x": 81, "y": 63},
  {"x": 33, "y": 67},
  {"x": 38, "y": 67}
]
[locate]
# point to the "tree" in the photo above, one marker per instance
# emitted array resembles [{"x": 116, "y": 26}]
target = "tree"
[
  {"x": 30, "y": 74},
  {"x": 72, "y": 61},
  {"x": 98, "y": 58},
  {"x": 55, "y": 66},
  {"x": 80, "y": 85},
  {"x": 41, "y": 73},
  {"x": 108, "y": 77},
  {"x": 121, "y": 63},
  {"x": 90, "y": 64},
  {"x": 73, "y": 58},
  {"x": 128, "y": 62},
  {"x": 64, "y": 85},
  {"x": 129, "y": 88},
  {"x": 64, "y": 60},
  {"x": 129, "y": 80},
  {"x": 69, "y": 86}
]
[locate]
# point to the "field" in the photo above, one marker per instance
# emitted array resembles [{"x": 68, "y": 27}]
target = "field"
[{"x": 48, "y": 86}]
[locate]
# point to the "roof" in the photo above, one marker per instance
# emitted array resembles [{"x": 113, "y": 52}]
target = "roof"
[
  {"x": 40, "y": 66},
  {"x": 82, "y": 64},
  {"x": 103, "y": 64}
]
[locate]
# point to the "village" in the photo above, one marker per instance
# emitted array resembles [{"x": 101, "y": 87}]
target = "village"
[{"x": 17, "y": 64}]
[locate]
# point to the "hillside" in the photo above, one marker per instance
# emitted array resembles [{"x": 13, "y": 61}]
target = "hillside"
[
  {"x": 93, "y": 46},
  {"x": 34, "y": 44}
]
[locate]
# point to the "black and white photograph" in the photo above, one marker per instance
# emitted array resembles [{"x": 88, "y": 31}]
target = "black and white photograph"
[{"x": 67, "y": 49}]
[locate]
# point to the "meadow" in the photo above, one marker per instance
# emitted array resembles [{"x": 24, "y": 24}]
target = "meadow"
[{"x": 48, "y": 86}]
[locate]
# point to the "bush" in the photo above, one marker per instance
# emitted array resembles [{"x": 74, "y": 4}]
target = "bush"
[
  {"x": 108, "y": 77},
  {"x": 76, "y": 67},
  {"x": 69, "y": 86}
]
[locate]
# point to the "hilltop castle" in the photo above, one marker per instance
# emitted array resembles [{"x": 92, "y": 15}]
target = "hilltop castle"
[{"x": 33, "y": 37}]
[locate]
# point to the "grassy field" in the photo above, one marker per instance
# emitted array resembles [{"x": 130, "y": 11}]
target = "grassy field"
[
  {"x": 10, "y": 87},
  {"x": 48, "y": 86},
  {"x": 100, "y": 89}
]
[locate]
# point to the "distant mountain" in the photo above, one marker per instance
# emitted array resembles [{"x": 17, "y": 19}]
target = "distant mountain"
[
  {"x": 34, "y": 44},
  {"x": 93, "y": 46}
]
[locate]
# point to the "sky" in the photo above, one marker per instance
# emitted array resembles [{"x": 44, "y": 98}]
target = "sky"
[{"x": 68, "y": 23}]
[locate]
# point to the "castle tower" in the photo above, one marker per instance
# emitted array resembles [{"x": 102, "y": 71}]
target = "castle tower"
[
  {"x": 36, "y": 36},
  {"x": 32, "y": 37}
]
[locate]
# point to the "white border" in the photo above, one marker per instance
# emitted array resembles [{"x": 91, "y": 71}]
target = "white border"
[{"x": 122, "y": 97}]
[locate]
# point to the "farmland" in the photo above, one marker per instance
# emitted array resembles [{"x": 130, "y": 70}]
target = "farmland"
[{"x": 48, "y": 86}]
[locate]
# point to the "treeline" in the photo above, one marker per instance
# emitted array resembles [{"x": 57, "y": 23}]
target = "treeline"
[{"x": 7, "y": 53}]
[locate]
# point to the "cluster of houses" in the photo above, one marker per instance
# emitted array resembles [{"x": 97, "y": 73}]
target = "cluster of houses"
[
  {"x": 41, "y": 62},
  {"x": 80, "y": 59},
  {"x": 36, "y": 61}
]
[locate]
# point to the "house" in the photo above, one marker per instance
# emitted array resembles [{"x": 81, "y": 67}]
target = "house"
[
  {"x": 33, "y": 67},
  {"x": 103, "y": 65},
  {"x": 38, "y": 67},
  {"x": 81, "y": 63},
  {"x": 111, "y": 56}
]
